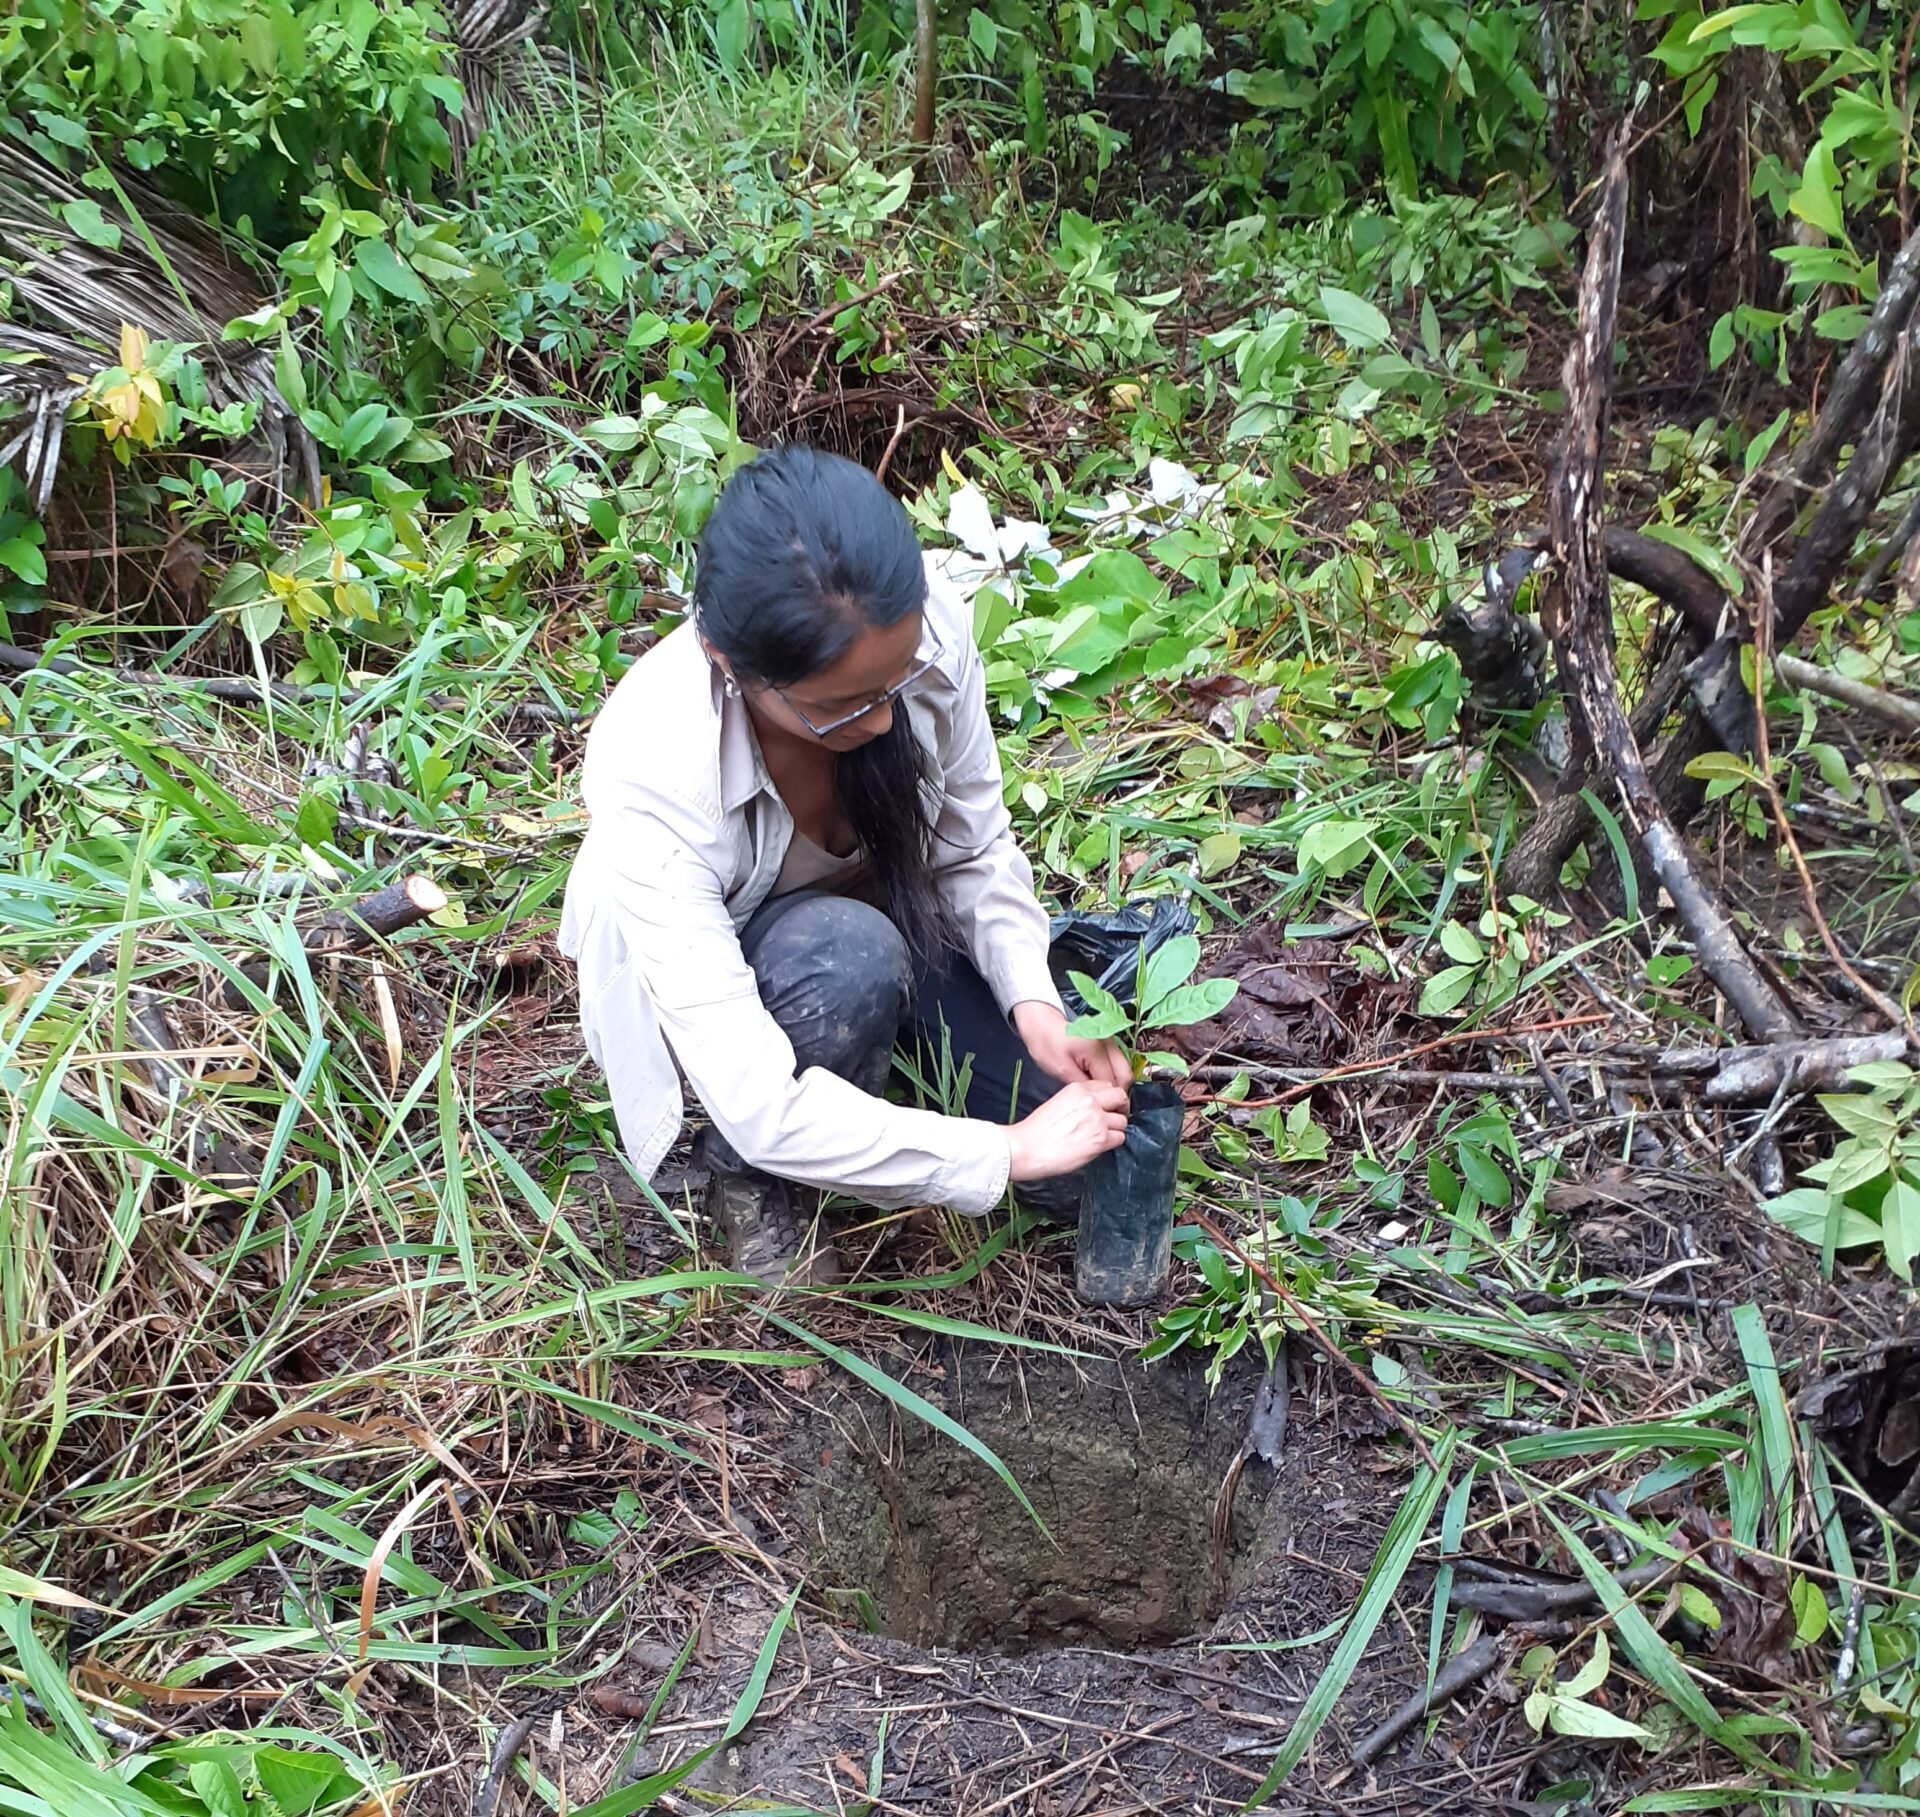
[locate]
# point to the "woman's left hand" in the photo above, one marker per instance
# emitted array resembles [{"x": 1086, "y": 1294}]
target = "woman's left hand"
[{"x": 1068, "y": 1057}]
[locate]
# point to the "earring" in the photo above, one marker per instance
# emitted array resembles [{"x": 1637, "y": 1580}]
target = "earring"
[{"x": 730, "y": 688}]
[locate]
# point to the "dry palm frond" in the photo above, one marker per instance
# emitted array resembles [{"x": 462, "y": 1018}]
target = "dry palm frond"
[
  {"x": 503, "y": 69},
  {"x": 169, "y": 276}
]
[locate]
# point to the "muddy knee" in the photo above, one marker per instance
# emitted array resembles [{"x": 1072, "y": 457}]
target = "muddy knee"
[{"x": 835, "y": 974}]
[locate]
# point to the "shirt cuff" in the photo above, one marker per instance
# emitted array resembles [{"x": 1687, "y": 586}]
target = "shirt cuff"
[
  {"x": 977, "y": 1180},
  {"x": 1023, "y": 978}
]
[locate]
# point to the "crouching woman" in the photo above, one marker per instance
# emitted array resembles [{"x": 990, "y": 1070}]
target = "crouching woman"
[{"x": 798, "y": 856}]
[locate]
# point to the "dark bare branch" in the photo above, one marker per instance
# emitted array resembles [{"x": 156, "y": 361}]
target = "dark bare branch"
[{"x": 1578, "y": 610}]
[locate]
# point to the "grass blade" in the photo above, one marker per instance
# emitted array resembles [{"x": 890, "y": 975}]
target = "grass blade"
[{"x": 1404, "y": 1533}]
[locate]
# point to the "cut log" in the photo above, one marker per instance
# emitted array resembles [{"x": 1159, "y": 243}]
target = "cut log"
[{"x": 353, "y": 929}]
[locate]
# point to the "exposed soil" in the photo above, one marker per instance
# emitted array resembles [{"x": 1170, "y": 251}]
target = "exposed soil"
[{"x": 1127, "y": 1467}]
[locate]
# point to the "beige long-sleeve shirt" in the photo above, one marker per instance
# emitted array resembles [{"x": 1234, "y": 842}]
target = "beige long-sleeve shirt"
[{"x": 687, "y": 837}]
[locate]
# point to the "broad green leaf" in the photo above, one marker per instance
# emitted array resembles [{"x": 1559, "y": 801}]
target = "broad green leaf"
[
  {"x": 1695, "y": 1602},
  {"x": 1104, "y": 1019},
  {"x": 1169, "y": 968},
  {"x": 1702, "y": 553},
  {"x": 1219, "y": 852},
  {"x": 1335, "y": 845},
  {"x": 1355, "y": 320},
  {"x": 383, "y": 267},
  {"x": 1900, "y": 1226},
  {"x": 1446, "y": 990},
  {"x": 1571, "y": 1717},
  {"x": 1191, "y": 1003},
  {"x": 1461, "y": 944},
  {"x": 1811, "y": 1617},
  {"x": 85, "y": 218},
  {"x": 1817, "y": 200},
  {"x": 25, "y": 559}
]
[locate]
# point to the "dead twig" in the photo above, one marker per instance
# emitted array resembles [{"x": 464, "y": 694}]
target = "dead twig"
[
  {"x": 1464, "y": 1670},
  {"x": 1862, "y": 696},
  {"x": 506, "y": 1750}
]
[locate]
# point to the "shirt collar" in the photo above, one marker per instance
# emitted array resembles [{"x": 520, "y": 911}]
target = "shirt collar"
[{"x": 743, "y": 771}]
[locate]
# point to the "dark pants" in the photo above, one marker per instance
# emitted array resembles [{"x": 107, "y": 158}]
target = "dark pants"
[{"x": 838, "y": 978}]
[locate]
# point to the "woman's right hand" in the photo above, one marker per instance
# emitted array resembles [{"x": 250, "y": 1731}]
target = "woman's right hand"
[{"x": 1079, "y": 1121}]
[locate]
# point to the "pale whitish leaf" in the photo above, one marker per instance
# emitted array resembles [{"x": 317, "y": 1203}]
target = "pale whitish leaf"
[
  {"x": 1592, "y": 1723},
  {"x": 1191, "y": 1003},
  {"x": 616, "y": 434},
  {"x": 1355, "y": 320},
  {"x": 970, "y": 523},
  {"x": 1593, "y": 1674},
  {"x": 1538, "y": 1707}
]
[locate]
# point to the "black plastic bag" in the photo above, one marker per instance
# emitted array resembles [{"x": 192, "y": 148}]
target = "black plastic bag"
[
  {"x": 1108, "y": 947},
  {"x": 1125, "y": 1250}
]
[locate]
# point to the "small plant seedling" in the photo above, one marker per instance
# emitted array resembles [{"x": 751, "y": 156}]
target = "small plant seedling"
[
  {"x": 1562, "y": 1705},
  {"x": 1165, "y": 996}
]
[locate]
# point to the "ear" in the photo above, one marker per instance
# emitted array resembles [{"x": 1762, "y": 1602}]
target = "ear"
[{"x": 717, "y": 660}]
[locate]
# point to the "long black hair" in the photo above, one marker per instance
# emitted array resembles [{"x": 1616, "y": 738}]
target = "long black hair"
[{"x": 803, "y": 551}]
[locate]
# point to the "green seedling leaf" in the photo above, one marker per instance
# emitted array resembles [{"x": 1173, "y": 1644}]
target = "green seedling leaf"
[
  {"x": 1191, "y": 1003},
  {"x": 1355, "y": 320},
  {"x": 1105, "y": 1017}
]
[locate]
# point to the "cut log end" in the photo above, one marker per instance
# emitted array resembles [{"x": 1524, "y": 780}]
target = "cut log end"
[{"x": 425, "y": 895}]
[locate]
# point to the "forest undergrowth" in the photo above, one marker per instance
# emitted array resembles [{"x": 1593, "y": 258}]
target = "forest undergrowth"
[{"x": 371, "y": 1440}]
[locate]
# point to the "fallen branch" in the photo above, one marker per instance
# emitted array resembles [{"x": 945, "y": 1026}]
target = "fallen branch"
[
  {"x": 1511, "y": 1599},
  {"x": 1862, "y": 696},
  {"x": 1464, "y": 1670},
  {"x": 1756, "y": 1075},
  {"x": 1578, "y": 611}
]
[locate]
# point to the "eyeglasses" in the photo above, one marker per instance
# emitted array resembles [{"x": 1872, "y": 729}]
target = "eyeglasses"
[{"x": 919, "y": 670}]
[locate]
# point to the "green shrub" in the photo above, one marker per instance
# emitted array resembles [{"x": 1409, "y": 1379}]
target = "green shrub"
[{"x": 236, "y": 105}]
